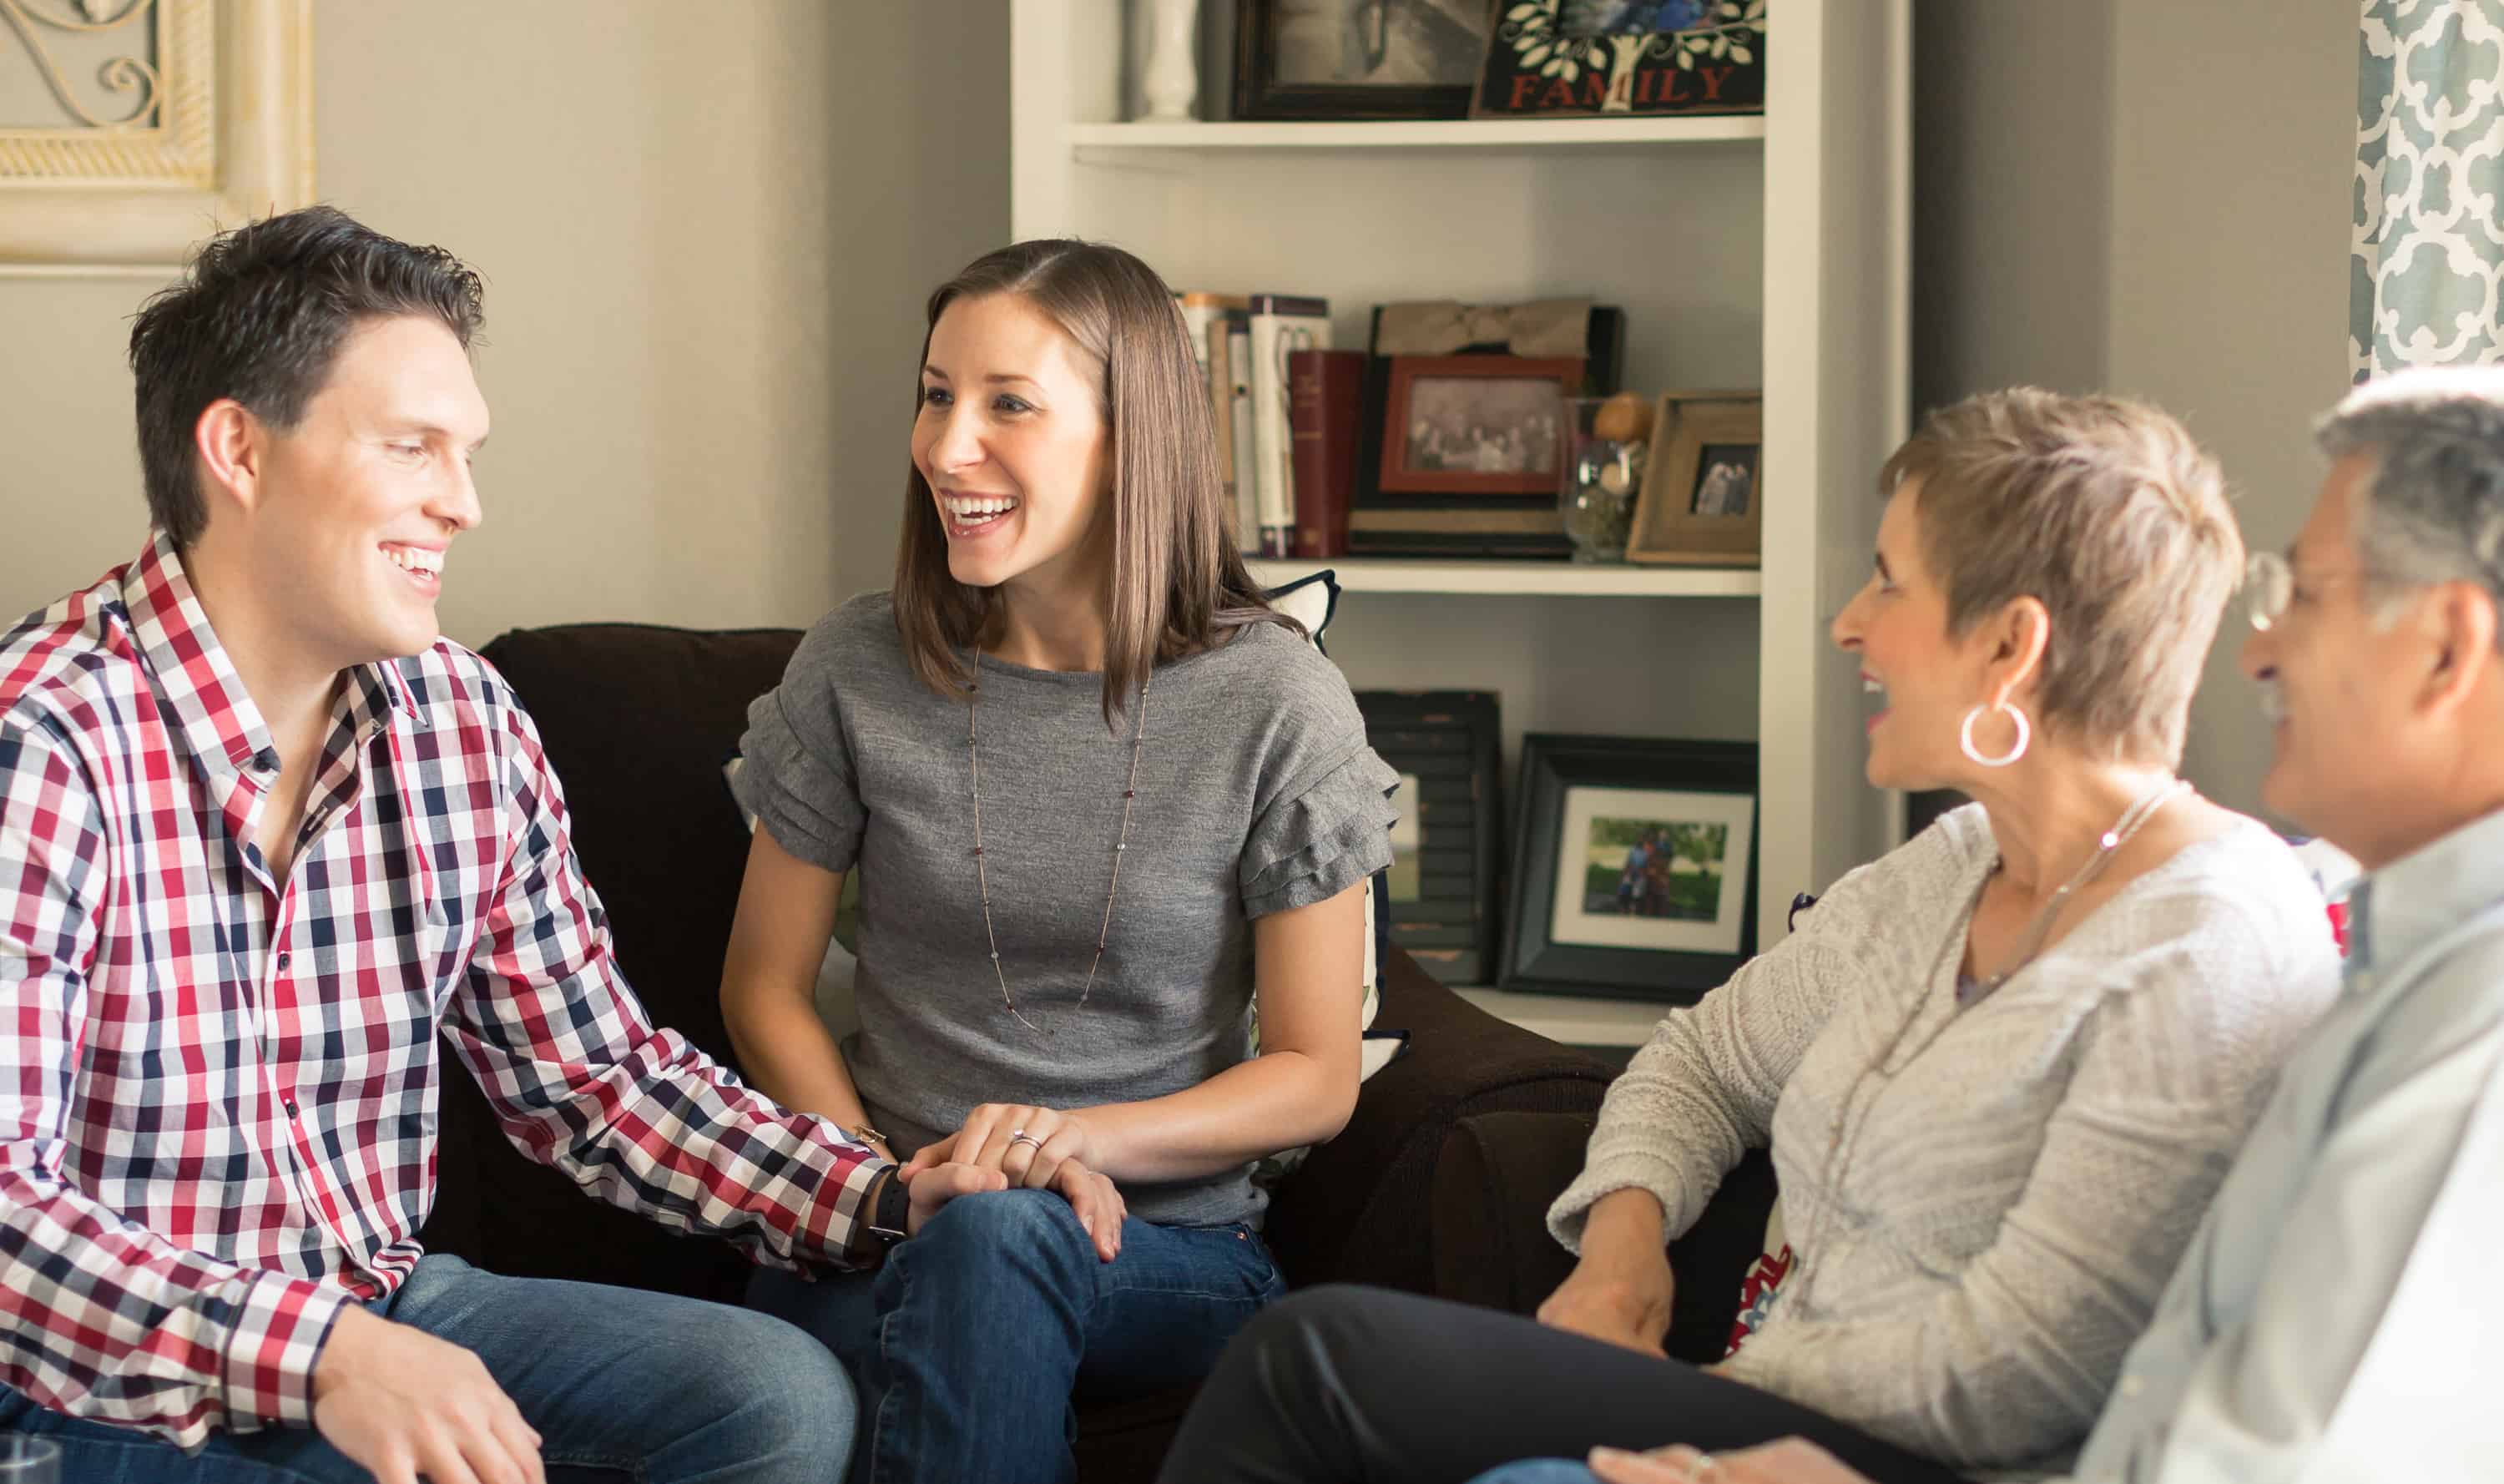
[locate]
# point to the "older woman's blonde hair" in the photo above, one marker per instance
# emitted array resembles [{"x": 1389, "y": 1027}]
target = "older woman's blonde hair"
[{"x": 2106, "y": 511}]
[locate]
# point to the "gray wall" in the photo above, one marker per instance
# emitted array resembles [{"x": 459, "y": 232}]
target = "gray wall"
[
  {"x": 2154, "y": 198},
  {"x": 706, "y": 232}
]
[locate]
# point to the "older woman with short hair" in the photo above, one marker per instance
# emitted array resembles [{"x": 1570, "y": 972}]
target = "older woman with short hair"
[{"x": 2000, "y": 1070}]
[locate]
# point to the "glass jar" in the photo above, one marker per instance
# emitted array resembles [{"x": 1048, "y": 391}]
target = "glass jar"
[{"x": 1597, "y": 481}]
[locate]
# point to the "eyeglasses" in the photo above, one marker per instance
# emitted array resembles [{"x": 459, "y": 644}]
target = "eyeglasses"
[{"x": 2269, "y": 586}]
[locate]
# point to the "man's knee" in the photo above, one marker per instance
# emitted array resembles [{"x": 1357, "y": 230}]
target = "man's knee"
[{"x": 785, "y": 1391}]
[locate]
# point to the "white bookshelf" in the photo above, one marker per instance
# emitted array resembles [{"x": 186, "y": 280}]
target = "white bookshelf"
[
  {"x": 1573, "y": 1019},
  {"x": 1766, "y": 252},
  {"x": 1517, "y": 579},
  {"x": 1462, "y": 134}
]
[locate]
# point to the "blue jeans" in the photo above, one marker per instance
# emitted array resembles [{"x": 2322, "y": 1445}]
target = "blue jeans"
[
  {"x": 619, "y": 1383},
  {"x": 973, "y": 1342}
]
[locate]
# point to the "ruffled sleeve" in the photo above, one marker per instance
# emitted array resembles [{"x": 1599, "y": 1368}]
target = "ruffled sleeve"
[
  {"x": 796, "y": 777},
  {"x": 1329, "y": 829}
]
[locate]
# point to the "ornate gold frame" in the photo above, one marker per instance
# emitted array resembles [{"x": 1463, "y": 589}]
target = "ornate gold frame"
[{"x": 218, "y": 132}]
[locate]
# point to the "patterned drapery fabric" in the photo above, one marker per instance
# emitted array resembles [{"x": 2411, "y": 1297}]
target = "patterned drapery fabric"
[{"x": 2428, "y": 250}]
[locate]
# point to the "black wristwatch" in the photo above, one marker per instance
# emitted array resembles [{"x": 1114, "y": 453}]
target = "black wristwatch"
[{"x": 890, "y": 1210}]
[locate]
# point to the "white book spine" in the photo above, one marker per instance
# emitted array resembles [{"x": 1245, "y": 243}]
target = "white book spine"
[
  {"x": 1247, "y": 463},
  {"x": 1274, "y": 335}
]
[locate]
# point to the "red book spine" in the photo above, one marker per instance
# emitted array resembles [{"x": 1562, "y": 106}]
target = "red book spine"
[{"x": 1324, "y": 391}]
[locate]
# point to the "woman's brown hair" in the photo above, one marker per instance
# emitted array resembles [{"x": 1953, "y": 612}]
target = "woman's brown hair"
[{"x": 1180, "y": 585}]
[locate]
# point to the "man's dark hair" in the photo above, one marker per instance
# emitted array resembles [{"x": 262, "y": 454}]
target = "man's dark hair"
[{"x": 259, "y": 316}]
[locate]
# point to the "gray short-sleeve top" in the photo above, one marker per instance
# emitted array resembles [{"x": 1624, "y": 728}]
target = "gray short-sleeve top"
[{"x": 1257, "y": 792}]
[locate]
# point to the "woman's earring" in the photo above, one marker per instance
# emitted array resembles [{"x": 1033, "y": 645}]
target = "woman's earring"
[{"x": 2025, "y": 732}]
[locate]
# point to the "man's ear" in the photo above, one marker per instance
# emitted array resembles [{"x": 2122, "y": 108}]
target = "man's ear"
[
  {"x": 2460, "y": 619},
  {"x": 232, "y": 445}
]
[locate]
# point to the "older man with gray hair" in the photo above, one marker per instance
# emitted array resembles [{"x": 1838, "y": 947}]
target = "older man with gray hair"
[{"x": 2338, "y": 1317}]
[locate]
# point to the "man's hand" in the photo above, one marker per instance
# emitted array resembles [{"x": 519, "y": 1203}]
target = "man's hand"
[
  {"x": 403, "y": 1404},
  {"x": 1792, "y": 1461},
  {"x": 927, "y": 1188},
  {"x": 990, "y": 1139}
]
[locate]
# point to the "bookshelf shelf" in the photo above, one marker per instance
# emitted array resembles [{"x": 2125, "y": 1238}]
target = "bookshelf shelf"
[
  {"x": 1573, "y": 1021},
  {"x": 1457, "y": 134},
  {"x": 1554, "y": 579}
]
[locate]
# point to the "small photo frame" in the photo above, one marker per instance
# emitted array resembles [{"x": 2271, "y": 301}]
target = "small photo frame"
[
  {"x": 1636, "y": 875},
  {"x": 1476, "y": 425},
  {"x": 1702, "y": 502},
  {"x": 1447, "y": 843},
  {"x": 1357, "y": 59}
]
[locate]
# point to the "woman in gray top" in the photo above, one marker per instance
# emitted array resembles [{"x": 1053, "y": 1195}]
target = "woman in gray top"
[
  {"x": 2002, "y": 1070},
  {"x": 1104, "y": 802}
]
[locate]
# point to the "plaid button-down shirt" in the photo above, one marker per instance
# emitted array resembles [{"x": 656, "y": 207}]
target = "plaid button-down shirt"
[{"x": 218, "y": 1118}]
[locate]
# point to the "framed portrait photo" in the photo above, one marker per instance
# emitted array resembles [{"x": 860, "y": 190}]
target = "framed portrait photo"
[
  {"x": 1702, "y": 501},
  {"x": 1476, "y": 425},
  {"x": 1635, "y": 874},
  {"x": 1357, "y": 59}
]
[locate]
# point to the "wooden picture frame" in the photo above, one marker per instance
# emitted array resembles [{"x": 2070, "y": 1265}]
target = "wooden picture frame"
[
  {"x": 1440, "y": 892},
  {"x": 1414, "y": 413},
  {"x": 1707, "y": 456},
  {"x": 206, "y": 123},
  {"x": 1260, "y": 94},
  {"x": 1584, "y": 918}
]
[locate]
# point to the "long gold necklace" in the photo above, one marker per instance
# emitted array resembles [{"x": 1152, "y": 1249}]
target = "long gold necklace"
[{"x": 982, "y": 873}]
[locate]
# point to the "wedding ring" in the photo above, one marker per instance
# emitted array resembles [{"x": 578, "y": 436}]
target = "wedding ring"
[
  {"x": 1692, "y": 1463},
  {"x": 1020, "y": 1136}
]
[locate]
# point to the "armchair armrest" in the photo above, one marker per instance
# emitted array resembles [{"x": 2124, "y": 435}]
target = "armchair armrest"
[
  {"x": 1501, "y": 1171},
  {"x": 1359, "y": 1210}
]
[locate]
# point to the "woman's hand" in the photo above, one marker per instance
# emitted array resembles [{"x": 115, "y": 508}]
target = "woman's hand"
[
  {"x": 1099, "y": 1203},
  {"x": 990, "y": 1139},
  {"x": 1792, "y": 1461},
  {"x": 1620, "y": 1299}
]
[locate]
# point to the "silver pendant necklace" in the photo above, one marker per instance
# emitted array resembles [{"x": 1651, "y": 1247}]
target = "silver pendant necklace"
[
  {"x": 982, "y": 873},
  {"x": 2109, "y": 844}
]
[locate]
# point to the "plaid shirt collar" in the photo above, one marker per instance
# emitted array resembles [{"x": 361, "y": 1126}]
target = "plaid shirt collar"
[{"x": 203, "y": 698}]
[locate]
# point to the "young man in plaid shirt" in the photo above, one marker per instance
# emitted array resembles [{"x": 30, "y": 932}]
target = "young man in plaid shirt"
[{"x": 268, "y": 847}]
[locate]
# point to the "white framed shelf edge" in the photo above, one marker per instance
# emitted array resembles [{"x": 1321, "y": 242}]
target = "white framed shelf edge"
[
  {"x": 1571, "y": 1020},
  {"x": 1552, "y": 579},
  {"x": 1394, "y": 134}
]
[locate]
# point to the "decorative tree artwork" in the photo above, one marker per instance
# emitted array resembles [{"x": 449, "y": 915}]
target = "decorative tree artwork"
[{"x": 1610, "y": 58}]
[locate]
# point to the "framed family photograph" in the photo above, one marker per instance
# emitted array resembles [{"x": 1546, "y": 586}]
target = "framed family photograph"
[
  {"x": 1635, "y": 875},
  {"x": 1446, "y": 845},
  {"x": 1702, "y": 500},
  {"x": 1355, "y": 59},
  {"x": 1476, "y": 425}
]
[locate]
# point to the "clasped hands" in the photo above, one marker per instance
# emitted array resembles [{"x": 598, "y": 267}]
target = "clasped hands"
[{"x": 1016, "y": 1146}]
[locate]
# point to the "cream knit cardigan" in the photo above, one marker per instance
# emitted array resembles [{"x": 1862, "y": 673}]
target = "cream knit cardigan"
[{"x": 1983, "y": 1205}]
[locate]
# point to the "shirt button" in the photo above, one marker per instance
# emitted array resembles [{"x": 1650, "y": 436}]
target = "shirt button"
[
  {"x": 284, "y": 959},
  {"x": 291, "y": 1107}
]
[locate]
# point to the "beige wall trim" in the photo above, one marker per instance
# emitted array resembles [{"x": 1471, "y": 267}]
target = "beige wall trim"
[{"x": 220, "y": 131}]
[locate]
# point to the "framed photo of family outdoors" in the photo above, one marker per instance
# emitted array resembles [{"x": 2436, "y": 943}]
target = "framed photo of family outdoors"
[
  {"x": 1635, "y": 872},
  {"x": 1702, "y": 502},
  {"x": 1476, "y": 425}
]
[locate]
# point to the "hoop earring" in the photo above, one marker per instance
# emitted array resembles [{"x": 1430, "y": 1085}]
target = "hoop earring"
[{"x": 2025, "y": 734}]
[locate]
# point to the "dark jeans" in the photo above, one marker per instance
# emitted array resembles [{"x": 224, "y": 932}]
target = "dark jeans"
[
  {"x": 1348, "y": 1384},
  {"x": 972, "y": 1341},
  {"x": 619, "y": 1383}
]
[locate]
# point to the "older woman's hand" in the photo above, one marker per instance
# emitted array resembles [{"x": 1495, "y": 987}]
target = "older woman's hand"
[
  {"x": 1619, "y": 1292},
  {"x": 1792, "y": 1461}
]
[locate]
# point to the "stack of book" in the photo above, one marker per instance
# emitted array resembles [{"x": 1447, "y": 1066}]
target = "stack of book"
[{"x": 1284, "y": 406}]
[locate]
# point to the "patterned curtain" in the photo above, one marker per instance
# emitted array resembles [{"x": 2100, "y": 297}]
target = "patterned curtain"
[{"x": 2429, "y": 239}]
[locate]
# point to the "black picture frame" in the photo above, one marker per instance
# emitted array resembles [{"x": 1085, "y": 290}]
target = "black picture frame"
[
  {"x": 1552, "y": 767},
  {"x": 1450, "y": 742},
  {"x": 1259, "y": 96}
]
